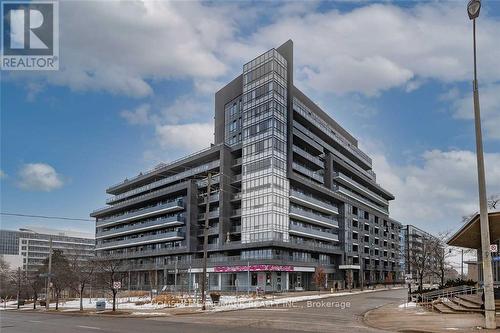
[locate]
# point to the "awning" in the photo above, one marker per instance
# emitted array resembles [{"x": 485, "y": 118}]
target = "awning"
[{"x": 469, "y": 236}]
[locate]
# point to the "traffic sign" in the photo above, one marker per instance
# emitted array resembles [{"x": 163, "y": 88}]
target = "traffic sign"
[
  {"x": 493, "y": 248},
  {"x": 117, "y": 285}
]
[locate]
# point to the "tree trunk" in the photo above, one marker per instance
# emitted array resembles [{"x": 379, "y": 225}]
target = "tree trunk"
[
  {"x": 114, "y": 300},
  {"x": 35, "y": 297},
  {"x": 81, "y": 298},
  {"x": 57, "y": 300}
]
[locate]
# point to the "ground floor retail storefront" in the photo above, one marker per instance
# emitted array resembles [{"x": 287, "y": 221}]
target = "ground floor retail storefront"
[{"x": 244, "y": 278}]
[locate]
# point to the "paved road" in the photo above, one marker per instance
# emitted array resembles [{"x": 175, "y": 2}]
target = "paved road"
[{"x": 336, "y": 314}]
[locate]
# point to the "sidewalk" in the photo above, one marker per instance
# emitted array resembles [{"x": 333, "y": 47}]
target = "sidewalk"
[{"x": 398, "y": 318}]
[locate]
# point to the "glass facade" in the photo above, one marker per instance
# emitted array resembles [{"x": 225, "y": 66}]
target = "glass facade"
[{"x": 265, "y": 185}]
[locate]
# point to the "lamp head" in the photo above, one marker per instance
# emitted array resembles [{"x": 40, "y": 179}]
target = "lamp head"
[{"x": 473, "y": 8}]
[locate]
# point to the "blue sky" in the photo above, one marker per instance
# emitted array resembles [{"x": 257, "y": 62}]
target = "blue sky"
[{"x": 136, "y": 79}]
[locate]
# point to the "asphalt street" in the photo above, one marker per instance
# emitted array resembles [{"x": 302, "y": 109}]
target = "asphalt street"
[{"x": 335, "y": 314}]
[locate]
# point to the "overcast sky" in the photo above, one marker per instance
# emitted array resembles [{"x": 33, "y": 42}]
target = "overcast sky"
[{"x": 137, "y": 81}]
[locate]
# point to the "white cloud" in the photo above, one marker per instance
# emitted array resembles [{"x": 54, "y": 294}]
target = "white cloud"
[
  {"x": 377, "y": 47},
  {"x": 185, "y": 107},
  {"x": 2, "y": 174},
  {"x": 436, "y": 191},
  {"x": 121, "y": 46},
  {"x": 138, "y": 116},
  {"x": 39, "y": 177},
  {"x": 190, "y": 137},
  {"x": 489, "y": 100}
]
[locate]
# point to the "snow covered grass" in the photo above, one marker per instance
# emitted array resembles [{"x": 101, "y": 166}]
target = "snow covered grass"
[
  {"x": 408, "y": 305},
  {"x": 141, "y": 305}
]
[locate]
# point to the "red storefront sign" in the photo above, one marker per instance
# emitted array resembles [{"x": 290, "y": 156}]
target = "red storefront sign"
[{"x": 253, "y": 268}]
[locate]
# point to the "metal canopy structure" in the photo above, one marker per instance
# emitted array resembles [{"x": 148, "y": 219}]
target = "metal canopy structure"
[{"x": 469, "y": 236}]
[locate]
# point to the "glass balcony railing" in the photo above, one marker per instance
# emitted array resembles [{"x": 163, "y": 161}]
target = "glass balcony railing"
[
  {"x": 349, "y": 193},
  {"x": 309, "y": 216},
  {"x": 213, "y": 198},
  {"x": 318, "y": 176},
  {"x": 150, "y": 225},
  {"x": 308, "y": 156},
  {"x": 140, "y": 213},
  {"x": 211, "y": 215},
  {"x": 162, "y": 237},
  {"x": 342, "y": 178},
  {"x": 310, "y": 232},
  {"x": 311, "y": 202},
  {"x": 326, "y": 129}
]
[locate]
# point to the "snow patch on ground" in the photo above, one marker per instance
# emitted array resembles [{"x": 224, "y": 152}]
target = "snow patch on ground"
[{"x": 408, "y": 305}]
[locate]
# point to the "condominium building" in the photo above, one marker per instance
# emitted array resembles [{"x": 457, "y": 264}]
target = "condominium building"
[
  {"x": 290, "y": 191},
  {"x": 414, "y": 243},
  {"x": 27, "y": 248}
]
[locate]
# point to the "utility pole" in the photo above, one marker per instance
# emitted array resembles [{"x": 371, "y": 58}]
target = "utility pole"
[
  {"x": 473, "y": 8},
  {"x": 205, "y": 243},
  {"x": 18, "y": 285},
  {"x": 47, "y": 294}
]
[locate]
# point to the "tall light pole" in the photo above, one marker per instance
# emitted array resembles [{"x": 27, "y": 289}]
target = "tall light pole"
[
  {"x": 47, "y": 294},
  {"x": 205, "y": 243},
  {"x": 473, "y": 8}
]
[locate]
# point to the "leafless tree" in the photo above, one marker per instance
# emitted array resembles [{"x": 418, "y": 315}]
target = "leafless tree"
[
  {"x": 7, "y": 280},
  {"x": 35, "y": 285},
  {"x": 494, "y": 201},
  {"x": 441, "y": 256},
  {"x": 319, "y": 278},
  {"x": 420, "y": 257},
  {"x": 110, "y": 271},
  {"x": 62, "y": 276},
  {"x": 83, "y": 270}
]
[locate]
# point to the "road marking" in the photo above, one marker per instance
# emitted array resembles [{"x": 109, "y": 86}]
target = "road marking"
[
  {"x": 89, "y": 327},
  {"x": 35, "y": 321}
]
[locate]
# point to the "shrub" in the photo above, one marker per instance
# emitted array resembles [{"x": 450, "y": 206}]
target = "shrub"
[{"x": 166, "y": 299}]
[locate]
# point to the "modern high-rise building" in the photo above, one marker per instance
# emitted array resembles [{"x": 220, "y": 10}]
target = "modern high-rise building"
[
  {"x": 290, "y": 192},
  {"x": 29, "y": 247}
]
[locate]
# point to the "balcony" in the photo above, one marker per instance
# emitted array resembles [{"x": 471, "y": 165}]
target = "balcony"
[
  {"x": 315, "y": 159},
  {"x": 307, "y": 216},
  {"x": 167, "y": 180},
  {"x": 211, "y": 215},
  {"x": 237, "y": 162},
  {"x": 213, "y": 198},
  {"x": 311, "y": 202},
  {"x": 235, "y": 229},
  {"x": 154, "y": 224},
  {"x": 300, "y": 108},
  {"x": 351, "y": 194},
  {"x": 167, "y": 207},
  {"x": 343, "y": 179},
  {"x": 236, "y": 213},
  {"x": 309, "y": 232},
  {"x": 204, "y": 182},
  {"x": 318, "y": 176},
  {"x": 236, "y": 179},
  {"x": 163, "y": 237},
  {"x": 214, "y": 230},
  {"x": 236, "y": 197}
]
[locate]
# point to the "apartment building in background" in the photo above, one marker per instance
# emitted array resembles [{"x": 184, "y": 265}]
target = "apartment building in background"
[
  {"x": 413, "y": 243},
  {"x": 290, "y": 192},
  {"x": 27, "y": 248}
]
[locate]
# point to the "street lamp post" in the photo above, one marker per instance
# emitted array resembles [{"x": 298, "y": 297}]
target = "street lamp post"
[
  {"x": 473, "y": 9},
  {"x": 47, "y": 295}
]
